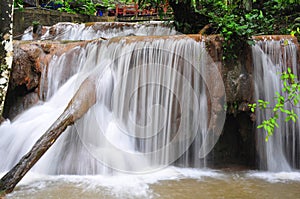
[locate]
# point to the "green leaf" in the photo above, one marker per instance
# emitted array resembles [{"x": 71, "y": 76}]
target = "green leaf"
[
  {"x": 267, "y": 138},
  {"x": 261, "y": 14}
]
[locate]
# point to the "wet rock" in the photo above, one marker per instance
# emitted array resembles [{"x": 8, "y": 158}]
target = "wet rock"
[
  {"x": 24, "y": 79},
  {"x": 37, "y": 31},
  {"x": 245, "y": 89},
  {"x": 29, "y": 62},
  {"x": 26, "y": 69}
]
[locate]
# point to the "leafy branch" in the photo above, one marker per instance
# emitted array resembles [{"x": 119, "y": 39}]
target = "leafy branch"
[{"x": 289, "y": 95}]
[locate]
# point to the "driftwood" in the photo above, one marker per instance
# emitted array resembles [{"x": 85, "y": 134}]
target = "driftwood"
[{"x": 84, "y": 98}]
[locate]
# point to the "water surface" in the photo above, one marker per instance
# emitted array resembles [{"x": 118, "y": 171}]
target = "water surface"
[{"x": 168, "y": 183}]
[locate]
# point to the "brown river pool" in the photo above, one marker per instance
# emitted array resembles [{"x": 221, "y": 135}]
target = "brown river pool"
[{"x": 170, "y": 183}]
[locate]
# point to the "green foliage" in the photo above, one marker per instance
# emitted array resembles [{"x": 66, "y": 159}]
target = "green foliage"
[
  {"x": 18, "y": 4},
  {"x": 109, "y": 3},
  {"x": 289, "y": 94},
  {"x": 237, "y": 22},
  {"x": 35, "y": 23},
  {"x": 295, "y": 28},
  {"x": 86, "y": 7},
  {"x": 284, "y": 12},
  {"x": 252, "y": 107}
]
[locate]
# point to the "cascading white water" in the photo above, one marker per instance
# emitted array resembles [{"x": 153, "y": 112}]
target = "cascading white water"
[
  {"x": 270, "y": 58},
  {"x": 59, "y": 70},
  {"x": 151, "y": 105},
  {"x": 74, "y": 31}
]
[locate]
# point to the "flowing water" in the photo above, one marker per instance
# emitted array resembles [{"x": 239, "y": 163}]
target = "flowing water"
[
  {"x": 89, "y": 31},
  {"x": 282, "y": 151},
  {"x": 152, "y": 114},
  {"x": 151, "y": 106}
]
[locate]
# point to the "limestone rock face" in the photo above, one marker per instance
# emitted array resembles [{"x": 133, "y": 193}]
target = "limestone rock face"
[
  {"x": 26, "y": 69},
  {"x": 24, "y": 80},
  {"x": 29, "y": 63}
]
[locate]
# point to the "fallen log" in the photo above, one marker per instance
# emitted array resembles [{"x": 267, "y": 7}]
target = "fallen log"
[{"x": 84, "y": 98}]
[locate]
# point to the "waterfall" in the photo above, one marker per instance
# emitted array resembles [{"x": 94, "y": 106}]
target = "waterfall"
[
  {"x": 89, "y": 31},
  {"x": 270, "y": 58},
  {"x": 152, "y": 105},
  {"x": 66, "y": 65}
]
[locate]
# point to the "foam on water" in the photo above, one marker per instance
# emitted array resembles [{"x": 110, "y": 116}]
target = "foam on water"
[
  {"x": 119, "y": 185},
  {"x": 275, "y": 177},
  {"x": 29, "y": 123}
]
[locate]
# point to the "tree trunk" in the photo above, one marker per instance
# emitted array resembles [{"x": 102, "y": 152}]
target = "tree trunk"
[
  {"x": 84, "y": 98},
  {"x": 6, "y": 13}
]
